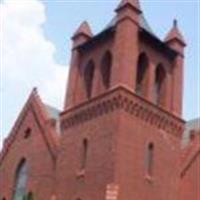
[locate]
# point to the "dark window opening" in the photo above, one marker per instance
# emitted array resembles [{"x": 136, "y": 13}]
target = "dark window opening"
[
  {"x": 159, "y": 85},
  {"x": 88, "y": 78},
  {"x": 27, "y": 133},
  {"x": 141, "y": 78},
  {"x": 149, "y": 159},
  {"x": 84, "y": 154},
  {"x": 106, "y": 65}
]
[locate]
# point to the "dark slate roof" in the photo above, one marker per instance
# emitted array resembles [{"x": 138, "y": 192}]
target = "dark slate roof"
[
  {"x": 190, "y": 125},
  {"x": 53, "y": 112},
  {"x": 143, "y": 24}
]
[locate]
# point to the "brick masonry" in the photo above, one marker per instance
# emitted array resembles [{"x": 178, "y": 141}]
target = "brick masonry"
[{"x": 117, "y": 123}]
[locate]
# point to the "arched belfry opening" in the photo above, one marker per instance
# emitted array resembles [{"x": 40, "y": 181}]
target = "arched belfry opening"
[
  {"x": 106, "y": 64},
  {"x": 160, "y": 85},
  {"x": 142, "y": 75},
  {"x": 88, "y": 77}
]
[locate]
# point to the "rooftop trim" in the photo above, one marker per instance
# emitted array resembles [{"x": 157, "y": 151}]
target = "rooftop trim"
[{"x": 123, "y": 98}]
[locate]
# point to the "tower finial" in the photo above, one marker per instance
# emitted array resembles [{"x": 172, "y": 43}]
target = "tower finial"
[
  {"x": 175, "y": 23},
  {"x": 175, "y": 34},
  {"x": 84, "y": 29},
  {"x": 82, "y": 34}
]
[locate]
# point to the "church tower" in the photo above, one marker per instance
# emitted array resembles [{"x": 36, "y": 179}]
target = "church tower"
[{"x": 121, "y": 124}]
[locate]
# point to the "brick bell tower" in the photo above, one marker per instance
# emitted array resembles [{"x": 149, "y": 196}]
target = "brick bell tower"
[{"x": 121, "y": 125}]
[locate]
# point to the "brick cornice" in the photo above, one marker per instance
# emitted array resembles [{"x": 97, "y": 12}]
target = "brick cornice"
[{"x": 122, "y": 98}]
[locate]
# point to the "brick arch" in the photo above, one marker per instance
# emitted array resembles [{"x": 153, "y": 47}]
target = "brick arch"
[
  {"x": 142, "y": 74},
  {"x": 88, "y": 74},
  {"x": 106, "y": 65},
  {"x": 160, "y": 84}
]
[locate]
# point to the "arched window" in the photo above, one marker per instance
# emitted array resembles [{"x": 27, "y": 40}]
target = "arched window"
[
  {"x": 149, "y": 159},
  {"x": 141, "y": 78},
  {"x": 88, "y": 78},
  {"x": 20, "y": 181},
  {"x": 106, "y": 64},
  {"x": 159, "y": 85},
  {"x": 84, "y": 153}
]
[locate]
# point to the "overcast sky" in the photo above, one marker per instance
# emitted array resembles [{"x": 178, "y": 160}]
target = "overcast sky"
[{"x": 35, "y": 47}]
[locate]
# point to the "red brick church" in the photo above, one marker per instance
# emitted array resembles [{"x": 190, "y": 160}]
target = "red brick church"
[{"x": 120, "y": 134}]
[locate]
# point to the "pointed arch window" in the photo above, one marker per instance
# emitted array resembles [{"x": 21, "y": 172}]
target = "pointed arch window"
[
  {"x": 159, "y": 85},
  {"x": 141, "y": 78},
  {"x": 88, "y": 78},
  {"x": 84, "y": 153},
  {"x": 106, "y": 64},
  {"x": 20, "y": 180},
  {"x": 149, "y": 159}
]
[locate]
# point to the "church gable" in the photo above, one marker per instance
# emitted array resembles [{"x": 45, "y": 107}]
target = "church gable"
[
  {"x": 34, "y": 140},
  {"x": 34, "y": 119}
]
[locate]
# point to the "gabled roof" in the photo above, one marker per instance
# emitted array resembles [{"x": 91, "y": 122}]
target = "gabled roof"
[
  {"x": 35, "y": 105},
  {"x": 190, "y": 147},
  {"x": 190, "y": 153},
  {"x": 52, "y": 112},
  {"x": 190, "y": 126}
]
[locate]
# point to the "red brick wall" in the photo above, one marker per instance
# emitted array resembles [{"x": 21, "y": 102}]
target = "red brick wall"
[
  {"x": 118, "y": 143},
  {"x": 133, "y": 138},
  {"x": 40, "y": 164},
  {"x": 99, "y": 171},
  {"x": 118, "y": 129},
  {"x": 190, "y": 182}
]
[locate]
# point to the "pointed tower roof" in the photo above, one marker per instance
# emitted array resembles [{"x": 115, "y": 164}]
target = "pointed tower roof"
[
  {"x": 84, "y": 29},
  {"x": 142, "y": 22},
  {"x": 134, "y": 3},
  {"x": 175, "y": 33}
]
